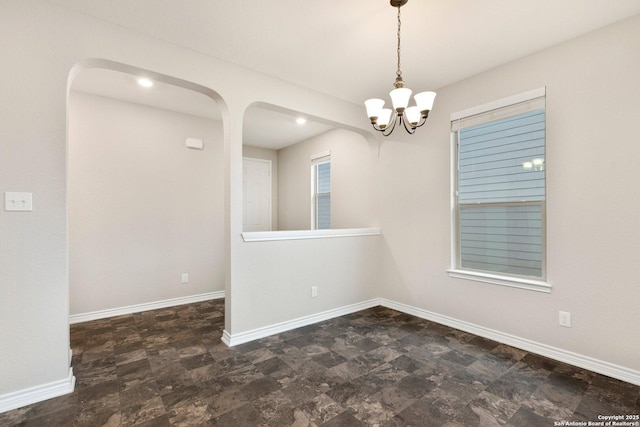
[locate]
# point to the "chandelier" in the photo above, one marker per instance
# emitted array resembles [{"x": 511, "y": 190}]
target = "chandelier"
[{"x": 384, "y": 119}]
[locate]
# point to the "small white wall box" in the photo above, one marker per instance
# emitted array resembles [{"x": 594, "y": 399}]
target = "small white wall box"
[{"x": 195, "y": 143}]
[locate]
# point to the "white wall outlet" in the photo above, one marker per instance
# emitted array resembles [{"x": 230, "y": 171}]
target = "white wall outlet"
[
  {"x": 185, "y": 277},
  {"x": 314, "y": 291},
  {"x": 564, "y": 319},
  {"x": 18, "y": 201}
]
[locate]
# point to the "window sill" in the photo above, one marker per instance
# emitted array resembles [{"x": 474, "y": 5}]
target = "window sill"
[
  {"x": 266, "y": 236},
  {"x": 514, "y": 282}
]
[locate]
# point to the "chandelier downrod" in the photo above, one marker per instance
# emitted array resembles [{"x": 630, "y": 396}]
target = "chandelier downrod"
[
  {"x": 384, "y": 119},
  {"x": 399, "y": 82}
]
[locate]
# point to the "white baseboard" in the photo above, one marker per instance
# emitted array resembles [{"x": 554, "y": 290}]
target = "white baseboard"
[
  {"x": 20, "y": 398},
  {"x": 244, "y": 337},
  {"x": 226, "y": 338},
  {"x": 137, "y": 308},
  {"x": 605, "y": 368}
]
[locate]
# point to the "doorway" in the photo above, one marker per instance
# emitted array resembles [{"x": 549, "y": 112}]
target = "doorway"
[
  {"x": 256, "y": 190},
  {"x": 146, "y": 208}
]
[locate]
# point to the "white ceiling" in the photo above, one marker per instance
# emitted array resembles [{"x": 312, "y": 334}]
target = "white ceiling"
[
  {"x": 347, "y": 48},
  {"x": 124, "y": 86},
  {"x": 263, "y": 126},
  {"x": 275, "y": 128}
]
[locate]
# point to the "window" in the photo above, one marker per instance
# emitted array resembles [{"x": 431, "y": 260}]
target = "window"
[
  {"x": 499, "y": 192},
  {"x": 321, "y": 190}
]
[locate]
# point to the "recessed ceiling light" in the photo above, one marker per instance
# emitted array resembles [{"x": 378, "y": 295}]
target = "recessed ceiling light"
[
  {"x": 301, "y": 120},
  {"x": 144, "y": 82}
]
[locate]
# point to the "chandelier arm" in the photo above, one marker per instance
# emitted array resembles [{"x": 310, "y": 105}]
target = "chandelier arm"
[
  {"x": 390, "y": 129},
  {"x": 423, "y": 120},
  {"x": 376, "y": 127},
  {"x": 386, "y": 131},
  {"x": 410, "y": 129}
]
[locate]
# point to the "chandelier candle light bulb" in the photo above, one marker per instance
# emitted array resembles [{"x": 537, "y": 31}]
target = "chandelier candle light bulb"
[
  {"x": 400, "y": 98},
  {"x": 413, "y": 115},
  {"x": 374, "y": 107},
  {"x": 384, "y": 119}
]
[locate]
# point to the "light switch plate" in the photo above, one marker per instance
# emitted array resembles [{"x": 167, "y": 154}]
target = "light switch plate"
[{"x": 20, "y": 202}]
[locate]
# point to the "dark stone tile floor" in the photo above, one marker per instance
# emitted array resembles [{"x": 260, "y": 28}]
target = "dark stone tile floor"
[{"x": 376, "y": 367}]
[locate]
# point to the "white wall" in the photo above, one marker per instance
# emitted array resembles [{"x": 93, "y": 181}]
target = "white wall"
[
  {"x": 353, "y": 181},
  {"x": 275, "y": 282},
  {"x": 593, "y": 105},
  {"x": 143, "y": 208},
  {"x": 271, "y": 155}
]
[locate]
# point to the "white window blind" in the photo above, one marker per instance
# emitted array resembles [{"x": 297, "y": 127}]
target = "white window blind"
[
  {"x": 502, "y": 239},
  {"x": 501, "y": 190},
  {"x": 491, "y": 158},
  {"x": 322, "y": 193}
]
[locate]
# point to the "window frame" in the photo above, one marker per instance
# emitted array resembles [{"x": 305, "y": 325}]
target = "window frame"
[
  {"x": 317, "y": 160},
  {"x": 523, "y": 282}
]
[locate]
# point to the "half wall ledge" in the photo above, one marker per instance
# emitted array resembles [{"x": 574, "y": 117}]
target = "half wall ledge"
[{"x": 265, "y": 236}]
